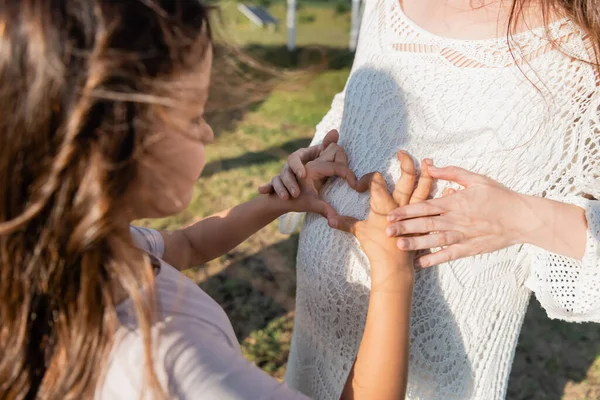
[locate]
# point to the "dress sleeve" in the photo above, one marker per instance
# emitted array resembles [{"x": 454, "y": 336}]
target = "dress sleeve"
[{"x": 567, "y": 288}]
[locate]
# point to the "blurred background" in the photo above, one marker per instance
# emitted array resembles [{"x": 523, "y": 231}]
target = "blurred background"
[{"x": 266, "y": 101}]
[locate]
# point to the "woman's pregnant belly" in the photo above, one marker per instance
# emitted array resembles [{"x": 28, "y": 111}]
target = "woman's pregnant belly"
[{"x": 332, "y": 302}]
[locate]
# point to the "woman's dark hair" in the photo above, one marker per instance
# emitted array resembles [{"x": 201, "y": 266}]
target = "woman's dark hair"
[{"x": 81, "y": 84}]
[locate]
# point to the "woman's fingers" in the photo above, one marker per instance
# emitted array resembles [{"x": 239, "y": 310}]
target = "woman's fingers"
[
  {"x": 346, "y": 224},
  {"x": 406, "y": 184},
  {"x": 449, "y": 253},
  {"x": 420, "y": 225},
  {"x": 425, "y": 183},
  {"x": 416, "y": 210},
  {"x": 430, "y": 241},
  {"x": 455, "y": 174}
]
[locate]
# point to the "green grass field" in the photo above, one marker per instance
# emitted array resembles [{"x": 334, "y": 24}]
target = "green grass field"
[
  {"x": 255, "y": 283},
  {"x": 316, "y": 25}
]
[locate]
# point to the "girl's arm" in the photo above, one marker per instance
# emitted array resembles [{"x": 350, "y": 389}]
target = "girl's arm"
[
  {"x": 214, "y": 236},
  {"x": 380, "y": 371}
]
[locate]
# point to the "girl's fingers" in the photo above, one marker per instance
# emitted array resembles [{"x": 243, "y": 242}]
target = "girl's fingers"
[
  {"x": 323, "y": 208},
  {"x": 319, "y": 169},
  {"x": 265, "y": 189},
  {"x": 342, "y": 171},
  {"x": 340, "y": 155},
  {"x": 289, "y": 181},
  {"x": 449, "y": 253},
  {"x": 346, "y": 224},
  {"x": 334, "y": 153},
  {"x": 425, "y": 183},
  {"x": 332, "y": 137},
  {"x": 433, "y": 240},
  {"x": 406, "y": 184},
  {"x": 279, "y": 188},
  {"x": 382, "y": 201},
  {"x": 420, "y": 225},
  {"x": 295, "y": 161},
  {"x": 364, "y": 183}
]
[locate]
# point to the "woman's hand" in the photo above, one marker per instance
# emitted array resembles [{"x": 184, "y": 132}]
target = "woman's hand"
[
  {"x": 287, "y": 184},
  {"x": 380, "y": 249},
  {"x": 483, "y": 217}
]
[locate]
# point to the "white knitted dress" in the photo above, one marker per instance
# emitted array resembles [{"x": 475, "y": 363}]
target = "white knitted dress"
[{"x": 533, "y": 126}]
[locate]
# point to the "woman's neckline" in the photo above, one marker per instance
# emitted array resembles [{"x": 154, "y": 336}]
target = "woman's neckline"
[{"x": 538, "y": 31}]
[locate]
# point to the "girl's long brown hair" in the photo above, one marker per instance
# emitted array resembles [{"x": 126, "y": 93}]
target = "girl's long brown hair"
[{"x": 79, "y": 83}]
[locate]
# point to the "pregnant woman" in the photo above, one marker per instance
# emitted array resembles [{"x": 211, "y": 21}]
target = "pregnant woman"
[{"x": 504, "y": 95}]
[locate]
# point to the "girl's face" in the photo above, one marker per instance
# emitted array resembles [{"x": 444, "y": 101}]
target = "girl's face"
[{"x": 172, "y": 163}]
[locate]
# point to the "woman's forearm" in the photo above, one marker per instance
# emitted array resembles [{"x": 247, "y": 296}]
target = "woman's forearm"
[
  {"x": 380, "y": 371},
  {"x": 217, "y": 234},
  {"x": 554, "y": 226}
]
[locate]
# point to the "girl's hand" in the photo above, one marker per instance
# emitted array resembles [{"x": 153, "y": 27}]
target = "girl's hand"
[
  {"x": 316, "y": 173},
  {"x": 287, "y": 184},
  {"x": 380, "y": 249},
  {"x": 483, "y": 217}
]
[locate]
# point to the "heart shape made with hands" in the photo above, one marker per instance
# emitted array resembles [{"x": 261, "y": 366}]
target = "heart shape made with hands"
[{"x": 371, "y": 232}]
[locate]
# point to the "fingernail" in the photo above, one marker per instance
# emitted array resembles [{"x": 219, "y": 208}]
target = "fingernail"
[
  {"x": 402, "y": 243},
  {"x": 428, "y": 161},
  {"x": 333, "y": 223},
  {"x": 389, "y": 231},
  {"x": 391, "y": 218},
  {"x": 293, "y": 191},
  {"x": 282, "y": 196}
]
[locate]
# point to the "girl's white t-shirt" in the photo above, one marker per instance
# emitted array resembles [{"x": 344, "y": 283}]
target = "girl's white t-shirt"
[{"x": 196, "y": 353}]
